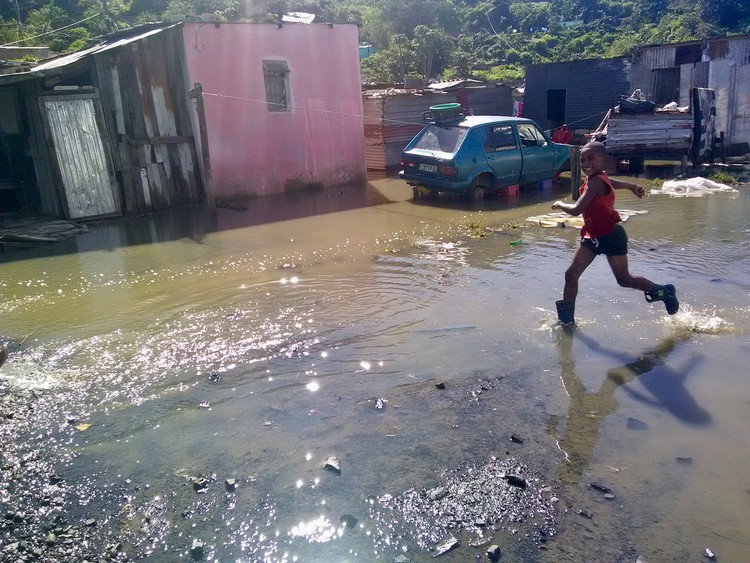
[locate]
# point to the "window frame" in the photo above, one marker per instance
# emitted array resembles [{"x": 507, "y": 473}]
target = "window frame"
[{"x": 276, "y": 82}]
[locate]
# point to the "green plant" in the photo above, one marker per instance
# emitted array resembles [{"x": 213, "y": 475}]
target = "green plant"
[
  {"x": 723, "y": 177},
  {"x": 475, "y": 229},
  {"x": 656, "y": 183}
]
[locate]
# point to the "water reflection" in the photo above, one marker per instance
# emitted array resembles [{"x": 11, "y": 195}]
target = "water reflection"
[
  {"x": 194, "y": 222},
  {"x": 588, "y": 410}
]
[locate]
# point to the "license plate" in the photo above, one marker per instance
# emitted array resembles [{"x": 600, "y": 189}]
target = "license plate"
[{"x": 428, "y": 167}]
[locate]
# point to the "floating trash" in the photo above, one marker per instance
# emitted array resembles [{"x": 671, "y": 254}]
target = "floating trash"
[{"x": 692, "y": 187}]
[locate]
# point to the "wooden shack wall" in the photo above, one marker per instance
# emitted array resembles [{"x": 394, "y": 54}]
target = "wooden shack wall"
[
  {"x": 144, "y": 91},
  {"x": 48, "y": 188},
  {"x": 391, "y": 121}
]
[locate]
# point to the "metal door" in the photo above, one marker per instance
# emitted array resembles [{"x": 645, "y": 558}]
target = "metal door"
[{"x": 89, "y": 188}]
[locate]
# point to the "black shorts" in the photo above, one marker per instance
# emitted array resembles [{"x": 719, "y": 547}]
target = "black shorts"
[{"x": 612, "y": 244}]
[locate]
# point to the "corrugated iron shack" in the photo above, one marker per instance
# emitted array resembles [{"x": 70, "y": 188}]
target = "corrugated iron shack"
[
  {"x": 393, "y": 116},
  {"x": 668, "y": 73},
  {"x": 576, "y": 93},
  {"x": 103, "y": 131},
  {"x": 477, "y": 97}
]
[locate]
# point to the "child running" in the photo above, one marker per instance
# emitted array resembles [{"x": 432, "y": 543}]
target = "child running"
[{"x": 602, "y": 234}]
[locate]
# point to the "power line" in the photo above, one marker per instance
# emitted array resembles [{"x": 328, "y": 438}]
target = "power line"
[{"x": 49, "y": 32}]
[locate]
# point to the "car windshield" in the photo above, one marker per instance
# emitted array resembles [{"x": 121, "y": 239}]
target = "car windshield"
[{"x": 441, "y": 138}]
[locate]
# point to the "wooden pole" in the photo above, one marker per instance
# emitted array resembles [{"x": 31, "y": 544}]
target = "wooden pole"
[
  {"x": 575, "y": 170},
  {"x": 197, "y": 94}
]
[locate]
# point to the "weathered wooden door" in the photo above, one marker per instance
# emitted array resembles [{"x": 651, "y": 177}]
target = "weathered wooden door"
[{"x": 89, "y": 186}]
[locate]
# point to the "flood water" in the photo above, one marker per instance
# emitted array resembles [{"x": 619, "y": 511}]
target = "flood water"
[{"x": 180, "y": 384}]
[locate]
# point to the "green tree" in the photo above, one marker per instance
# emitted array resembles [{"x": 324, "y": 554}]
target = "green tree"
[
  {"x": 392, "y": 64},
  {"x": 41, "y": 23},
  {"x": 730, "y": 14},
  {"x": 432, "y": 49},
  {"x": 530, "y": 15}
]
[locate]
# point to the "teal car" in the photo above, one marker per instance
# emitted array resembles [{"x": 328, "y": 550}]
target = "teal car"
[{"x": 476, "y": 155}]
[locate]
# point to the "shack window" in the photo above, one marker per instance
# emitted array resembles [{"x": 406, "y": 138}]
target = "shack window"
[{"x": 276, "y": 77}]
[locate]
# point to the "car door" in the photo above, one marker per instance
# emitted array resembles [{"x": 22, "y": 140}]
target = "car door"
[
  {"x": 502, "y": 154},
  {"x": 538, "y": 154}
]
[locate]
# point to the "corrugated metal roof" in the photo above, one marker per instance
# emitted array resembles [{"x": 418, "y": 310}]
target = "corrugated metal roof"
[
  {"x": 455, "y": 84},
  {"x": 71, "y": 58}
]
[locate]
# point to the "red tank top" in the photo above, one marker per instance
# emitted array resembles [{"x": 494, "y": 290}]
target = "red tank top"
[{"x": 600, "y": 216}]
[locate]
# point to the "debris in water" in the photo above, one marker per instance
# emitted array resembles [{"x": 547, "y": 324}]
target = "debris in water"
[
  {"x": 197, "y": 549},
  {"x": 600, "y": 488},
  {"x": 380, "y": 403},
  {"x": 493, "y": 553},
  {"x": 476, "y": 495},
  {"x": 446, "y": 546},
  {"x": 230, "y": 484},
  {"x": 708, "y": 553},
  {"x": 437, "y": 493},
  {"x": 516, "y": 481},
  {"x": 200, "y": 484},
  {"x": 684, "y": 460},
  {"x": 516, "y": 439},
  {"x": 692, "y": 187},
  {"x": 333, "y": 464}
]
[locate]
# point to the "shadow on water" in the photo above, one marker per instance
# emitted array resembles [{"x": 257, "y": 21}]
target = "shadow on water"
[
  {"x": 195, "y": 222},
  {"x": 588, "y": 410}
]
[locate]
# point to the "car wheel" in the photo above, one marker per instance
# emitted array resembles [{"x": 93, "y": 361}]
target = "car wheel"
[
  {"x": 480, "y": 187},
  {"x": 416, "y": 193},
  {"x": 478, "y": 192}
]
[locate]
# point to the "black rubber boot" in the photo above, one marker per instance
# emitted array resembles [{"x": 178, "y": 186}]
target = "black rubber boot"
[
  {"x": 566, "y": 311},
  {"x": 664, "y": 293}
]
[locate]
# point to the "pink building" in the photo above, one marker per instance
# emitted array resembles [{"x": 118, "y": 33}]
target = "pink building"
[{"x": 283, "y": 105}]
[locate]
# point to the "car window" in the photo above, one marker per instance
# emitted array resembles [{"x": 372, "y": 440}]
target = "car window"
[
  {"x": 444, "y": 139},
  {"x": 530, "y": 134},
  {"x": 500, "y": 138}
]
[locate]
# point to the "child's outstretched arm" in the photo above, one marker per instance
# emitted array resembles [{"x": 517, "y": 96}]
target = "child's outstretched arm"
[
  {"x": 594, "y": 188},
  {"x": 637, "y": 190}
]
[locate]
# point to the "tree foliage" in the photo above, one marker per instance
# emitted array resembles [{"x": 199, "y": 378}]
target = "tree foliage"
[{"x": 488, "y": 39}]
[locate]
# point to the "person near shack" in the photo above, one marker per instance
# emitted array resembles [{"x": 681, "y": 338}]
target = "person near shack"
[{"x": 602, "y": 233}]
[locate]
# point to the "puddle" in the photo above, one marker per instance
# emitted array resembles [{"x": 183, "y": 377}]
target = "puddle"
[{"x": 175, "y": 388}]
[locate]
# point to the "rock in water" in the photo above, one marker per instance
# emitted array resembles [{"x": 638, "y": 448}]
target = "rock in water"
[
  {"x": 635, "y": 424},
  {"x": 333, "y": 464}
]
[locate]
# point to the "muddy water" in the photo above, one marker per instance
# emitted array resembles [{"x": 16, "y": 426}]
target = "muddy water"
[{"x": 151, "y": 362}]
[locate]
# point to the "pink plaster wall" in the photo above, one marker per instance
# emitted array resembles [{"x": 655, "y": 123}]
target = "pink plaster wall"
[{"x": 257, "y": 152}]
